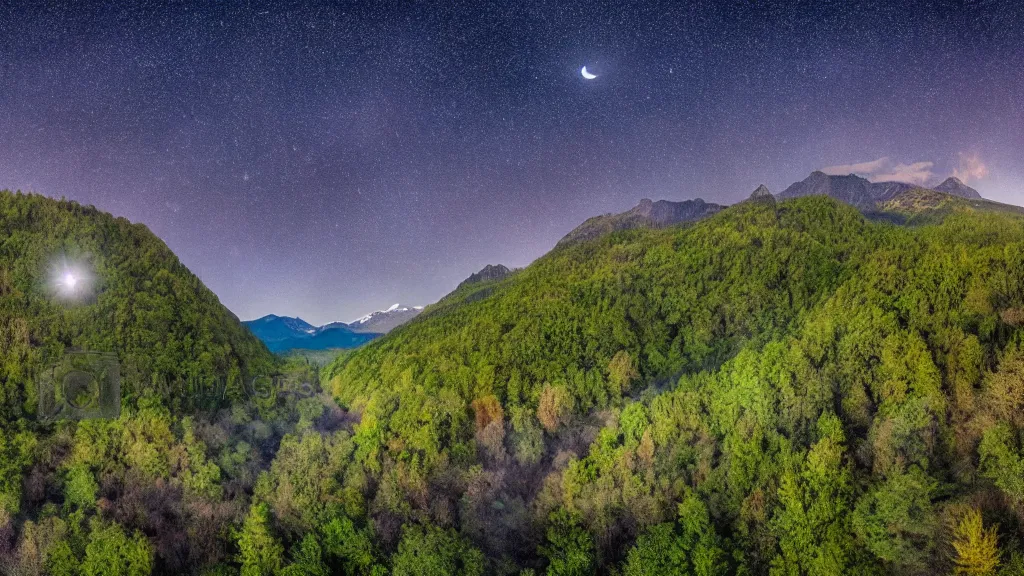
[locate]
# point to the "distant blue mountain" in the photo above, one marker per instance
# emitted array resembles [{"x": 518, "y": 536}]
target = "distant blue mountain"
[{"x": 283, "y": 333}]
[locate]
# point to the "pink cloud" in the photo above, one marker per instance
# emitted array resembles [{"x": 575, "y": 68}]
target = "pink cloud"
[{"x": 971, "y": 168}]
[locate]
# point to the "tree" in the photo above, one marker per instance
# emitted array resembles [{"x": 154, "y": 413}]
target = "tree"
[
  {"x": 812, "y": 524},
  {"x": 527, "y": 436},
  {"x": 111, "y": 552},
  {"x": 570, "y": 548},
  {"x": 976, "y": 547},
  {"x": 554, "y": 407},
  {"x": 490, "y": 425},
  {"x": 307, "y": 559},
  {"x": 349, "y": 548},
  {"x": 896, "y": 521},
  {"x": 80, "y": 487},
  {"x": 259, "y": 552},
  {"x": 432, "y": 551},
  {"x": 15, "y": 454},
  {"x": 1001, "y": 461},
  {"x": 622, "y": 371},
  {"x": 657, "y": 551},
  {"x": 684, "y": 548}
]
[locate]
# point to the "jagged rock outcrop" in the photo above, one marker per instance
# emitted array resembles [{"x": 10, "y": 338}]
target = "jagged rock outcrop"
[
  {"x": 954, "y": 186},
  {"x": 489, "y": 273},
  {"x": 862, "y": 193},
  {"x": 646, "y": 214},
  {"x": 761, "y": 193}
]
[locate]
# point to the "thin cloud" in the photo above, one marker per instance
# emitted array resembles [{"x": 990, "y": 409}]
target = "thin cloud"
[
  {"x": 885, "y": 170},
  {"x": 971, "y": 168},
  {"x": 859, "y": 168},
  {"x": 917, "y": 173}
]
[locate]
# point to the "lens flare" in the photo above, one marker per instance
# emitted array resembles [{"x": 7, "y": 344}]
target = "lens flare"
[{"x": 70, "y": 280}]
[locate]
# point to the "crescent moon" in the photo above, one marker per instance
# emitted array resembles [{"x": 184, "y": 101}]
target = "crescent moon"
[{"x": 587, "y": 75}]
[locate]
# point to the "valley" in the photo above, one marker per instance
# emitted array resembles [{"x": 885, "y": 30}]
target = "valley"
[{"x": 779, "y": 386}]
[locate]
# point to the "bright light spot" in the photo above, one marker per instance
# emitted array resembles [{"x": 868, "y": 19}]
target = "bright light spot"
[{"x": 70, "y": 281}]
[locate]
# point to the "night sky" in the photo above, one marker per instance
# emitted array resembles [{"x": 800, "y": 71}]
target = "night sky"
[{"x": 326, "y": 160}]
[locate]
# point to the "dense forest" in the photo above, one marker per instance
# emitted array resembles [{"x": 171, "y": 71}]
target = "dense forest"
[{"x": 782, "y": 388}]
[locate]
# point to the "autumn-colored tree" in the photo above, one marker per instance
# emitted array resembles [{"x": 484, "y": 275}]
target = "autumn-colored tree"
[
  {"x": 490, "y": 425},
  {"x": 553, "y": 407},
  {"x": 645, "y": 451},
  {"x": 976, "y": 547},
  {"x": 487, "y": 409}
]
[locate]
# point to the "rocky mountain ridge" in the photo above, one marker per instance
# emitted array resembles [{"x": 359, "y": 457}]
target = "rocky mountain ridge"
[{"x": 864, "y": 194}]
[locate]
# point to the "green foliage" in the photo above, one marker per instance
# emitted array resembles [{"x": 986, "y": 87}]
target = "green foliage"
[
  {"x": 304, "y": 486},
  {"x": 812, "y": 521},
  {"x": 351, "y": 549},
  {"x": 687, "y": 547},
  {"x": 16, "y": 450},
  {"x": 111, "y": 552},
  {"x": 897, "y": 522},
  {"x": 570, "y": 548},
  {"x": 80, "y": 487},
  {"x": 307, "y": 559},
  {"x": 259, "y": 551},
  {"x": 432, "y": 551},
  {"x": 1002, "y": 462}
]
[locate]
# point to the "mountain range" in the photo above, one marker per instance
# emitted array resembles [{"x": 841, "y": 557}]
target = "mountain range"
[
  {"x": 851, "y": 189},
  {"x": 864, "y": 194},
  {"x": 282, "y": 333},
  {"x": 784, "y": 381}
]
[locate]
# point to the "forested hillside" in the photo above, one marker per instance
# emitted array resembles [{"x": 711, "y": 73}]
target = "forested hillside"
[
  {"x": 135, "y": 299},
  {"x": 783, "y": 388},
  {"x": 98, "y": 497}
]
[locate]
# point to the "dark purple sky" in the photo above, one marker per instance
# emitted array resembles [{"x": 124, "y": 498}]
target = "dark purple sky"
[{"x": 328, "y": 159}]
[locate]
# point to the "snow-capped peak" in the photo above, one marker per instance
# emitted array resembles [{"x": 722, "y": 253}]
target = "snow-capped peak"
[{"x": 393, "y": 308}]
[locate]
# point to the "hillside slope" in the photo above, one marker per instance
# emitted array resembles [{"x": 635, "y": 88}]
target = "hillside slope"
[
  {"x": 134, "y": 298},
  {"x": 924, "y": 205},
  {"x": 784, "y": 387}
]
